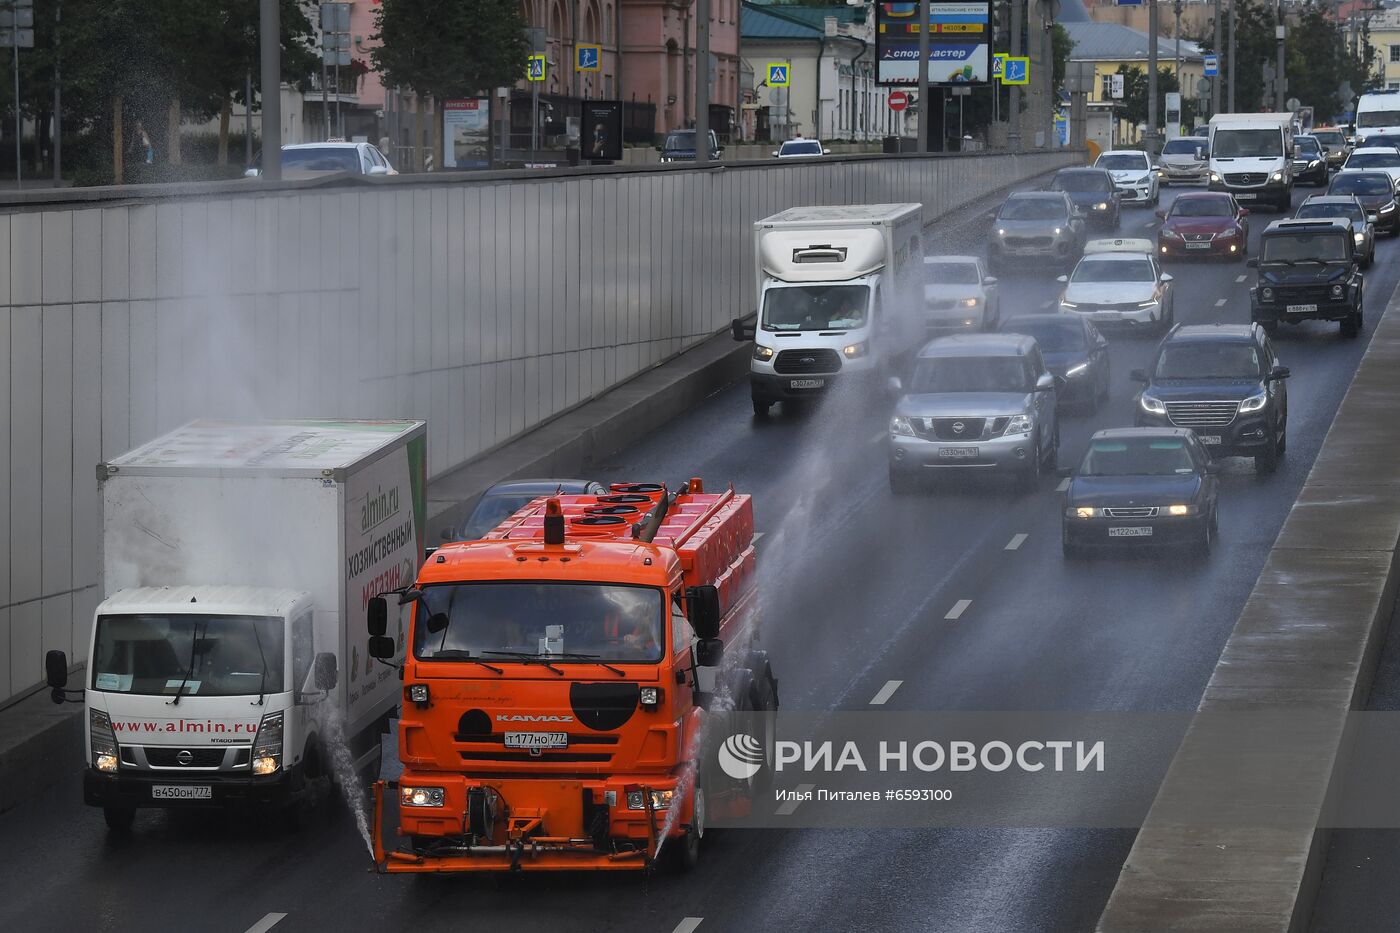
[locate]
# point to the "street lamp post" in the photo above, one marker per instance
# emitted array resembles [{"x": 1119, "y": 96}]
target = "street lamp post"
[{"x": 1149, "y": 138}]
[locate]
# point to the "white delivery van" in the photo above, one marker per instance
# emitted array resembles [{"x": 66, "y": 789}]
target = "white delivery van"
[
  {"x": 1251, "y": 157},
  {"x": 1378, "y": 114},
  {"x": 840, "y": 295},
  {"x": 238, "y": 558}
]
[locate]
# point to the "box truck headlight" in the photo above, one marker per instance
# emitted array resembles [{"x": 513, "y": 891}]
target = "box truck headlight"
[
  {"x": 660, "y": 799},
  {"x": 418, "y": 693},
  {"x": 104, "y": 742},
  {"x": 856, "y": 350},
  {"x": 762, "y": 353},
  {"x": 651, "y": 698},
  {"x": 422, "y": 796},
  {"x": 267, "y": 747}
]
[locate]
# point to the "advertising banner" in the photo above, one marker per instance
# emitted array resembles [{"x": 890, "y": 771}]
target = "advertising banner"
[
  {"x": 600, "y": 137},
  {"x": 466, "y": 133},
  {"x": 959, "y": 43}
]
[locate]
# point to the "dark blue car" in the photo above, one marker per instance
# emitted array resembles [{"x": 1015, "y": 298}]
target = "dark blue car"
[{"x": 1074, "y": 351}]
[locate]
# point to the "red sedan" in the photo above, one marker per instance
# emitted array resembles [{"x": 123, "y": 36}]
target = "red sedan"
[{"x": 1203, "y": 224}]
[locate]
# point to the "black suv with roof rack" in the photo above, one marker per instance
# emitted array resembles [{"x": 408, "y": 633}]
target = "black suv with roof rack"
[
  {"x": 1224, "y": 382},
  {"x": 1308, "y": 271}
]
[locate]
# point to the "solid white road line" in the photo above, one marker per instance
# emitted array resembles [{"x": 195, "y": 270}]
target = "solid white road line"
[
  {"x": 1221, "y": 302},
  {"x": 1016, "y": 541},
  {"x": 688, "y": 925},
  {"x": 958, "y": 609},
  {"x": 887, "y": 691},
  {"x": 1064, "y": 484},
  {"x": 266, "y": 923}
]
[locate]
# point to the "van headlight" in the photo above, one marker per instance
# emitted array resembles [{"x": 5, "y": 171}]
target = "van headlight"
[
  {"x": 1019, "y": 424},
  {"x": 855, "y": 351},
  {"x": 104, "y": 741},
  {"x": 1214, "y": 176},
  {"x": 267, "y": 747},
  {"x": 422, "y": 796},
  {"x": 1152, "y": 405},
  {"x": 762, "y": 353},
  {"x": 899, "y": 425},
  {"x": 1278, "y": 176}
]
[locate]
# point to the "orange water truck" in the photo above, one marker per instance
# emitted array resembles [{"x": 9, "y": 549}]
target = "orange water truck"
[{"x": 563, "y": 680}]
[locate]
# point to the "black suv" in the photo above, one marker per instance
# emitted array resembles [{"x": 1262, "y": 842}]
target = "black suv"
[
  {"x": 1308, "y": 270},
  {"x": 1225, "y": 382}
]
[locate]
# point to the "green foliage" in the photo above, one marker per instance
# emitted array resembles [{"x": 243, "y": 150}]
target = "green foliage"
[{"x": 450, "y": 48}]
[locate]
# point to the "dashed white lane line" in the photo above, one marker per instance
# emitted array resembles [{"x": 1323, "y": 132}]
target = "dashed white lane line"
[
  {"x": 268, "y": 922},
  {"x": 879, "y": 437},
  {"x": 887, "y": 691},
  {"x": 758, "y": 536},
  {"x": 688, "y": 925},
  {"x": 958, "y": 609},
  {"x": 1150, "y": 223},
  {"x": 1239, "y": 279},
  {"x": 1016, "y": 541},
  {"x": 1221, "y": 302},
  {"x": 1064, "y": 484}
]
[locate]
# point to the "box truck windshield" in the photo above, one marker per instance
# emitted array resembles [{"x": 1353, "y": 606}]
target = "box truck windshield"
[
  {"x": 816, "y": 307},
  {"x": 534, "y": 622},
  {"x": 1375, "y": 118},
  {"x": 188, "y": 655},
  {"x": 1248, "y": 144}
]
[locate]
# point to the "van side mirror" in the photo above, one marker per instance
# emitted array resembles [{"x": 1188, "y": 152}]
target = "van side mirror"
[
  {"x": 704, "y": 610},
  {"x": 382, "y": 647},
  {"x": 1062, "y": 279},
  {"x": 56, "y": 669},
  {"x": 326, "y": 672},
  {"x": 377, "y": 616},
  {"x": 741, "y": 331}
]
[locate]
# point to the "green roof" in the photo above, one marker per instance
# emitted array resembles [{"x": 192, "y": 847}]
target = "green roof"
[{"x": 789, "y": 21}]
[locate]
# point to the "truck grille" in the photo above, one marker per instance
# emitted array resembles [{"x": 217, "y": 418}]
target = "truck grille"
[
  {"x": 1246, "y": 178},
  {"x": 163, "y": 757},
  {"x": 1027, "y": 242},
  {"x": 1202, "y": 414},
  {"x": 1306, "y": 294},
  {"x": 1138, "y": 512},
  {"x": 801, "y": 362}
]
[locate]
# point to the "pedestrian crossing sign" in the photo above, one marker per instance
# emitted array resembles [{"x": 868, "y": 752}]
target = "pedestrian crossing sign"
[
  {"x": 536, "y": 69},
  {"x": 1016, "y": 70},
  {"x": 778, "y": 74}
]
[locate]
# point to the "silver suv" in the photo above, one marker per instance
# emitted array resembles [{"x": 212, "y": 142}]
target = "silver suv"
[
  {"x": 975, "y": 402},
  {"x": 1036, "y": 227}
]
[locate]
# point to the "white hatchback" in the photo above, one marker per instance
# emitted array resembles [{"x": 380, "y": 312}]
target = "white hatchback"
[{"x": 1133, "y": 175}]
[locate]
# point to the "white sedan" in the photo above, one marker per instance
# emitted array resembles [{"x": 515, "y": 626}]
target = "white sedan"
[
  {"x": 801, "y": 149},
  {"x": 1118, "y": 281},
  {"x": 1133, "y": 175}
]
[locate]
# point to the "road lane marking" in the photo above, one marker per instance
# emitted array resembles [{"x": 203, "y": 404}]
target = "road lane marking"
[
  {"x": 1016, "y": 541},
  {"x": 1221, "y": 302},
  {"x": 1064, "y": 484},
  {"x": 887, "y": 691},
  {"x": 1149, "y": 223},
  {"x": 785, "y": 809},
  {"x": 1239, "y": 279},
  {"x": 758, "y": 536},
  {"x": 266, "y": 923},
  {"x": 688, "y": 925},
  {"x": 958, "y": 609}
]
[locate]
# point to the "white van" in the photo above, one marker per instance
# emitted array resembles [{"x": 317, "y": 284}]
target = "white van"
[
  {"x": 1378, "y": 114},
  {"x": 1251, "y": 156}
]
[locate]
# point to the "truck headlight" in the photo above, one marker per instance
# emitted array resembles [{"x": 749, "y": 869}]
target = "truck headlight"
[
  {"x": 104, "y": 741},
  {"x": 762, "y": 353},
  {"x": 418, "y": 693},
  {"x": 1018, "y": 424},
  {"x": 267, "y": 747},
  {"x": 1152, "y": 405},
  {"x": 855, "y": 351},
  {"x": 421, "y": 796},
  {"x": 660, "y": 799},
  {"x": 899, "y": 425},
  {"x": 650, "y": 697}
]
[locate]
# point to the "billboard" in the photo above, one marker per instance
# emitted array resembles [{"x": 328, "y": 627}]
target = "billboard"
[
  {"x": 600, "y": 136},
  {"x": 466, "y": 133},
  {"x": 960, "y": 43}
]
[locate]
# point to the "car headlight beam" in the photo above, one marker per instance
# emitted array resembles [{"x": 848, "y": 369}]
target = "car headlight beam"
[
  {"x": 899, "y": 426},
  {"x": 1254, "y": 403},
  {"x": 1152, "y": 405}
]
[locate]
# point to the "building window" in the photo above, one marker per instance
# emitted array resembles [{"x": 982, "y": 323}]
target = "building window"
[
  {"x": 1393, "y": 86},
  {"x": 1105, "y": 87},
  {"x": 1395, "y": 53}
]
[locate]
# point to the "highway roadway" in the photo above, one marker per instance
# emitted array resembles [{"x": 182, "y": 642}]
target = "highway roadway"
[{"x": 958, "y": 599}]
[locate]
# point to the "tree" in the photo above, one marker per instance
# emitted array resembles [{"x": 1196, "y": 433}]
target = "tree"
[{"x": 450, "y": 48}]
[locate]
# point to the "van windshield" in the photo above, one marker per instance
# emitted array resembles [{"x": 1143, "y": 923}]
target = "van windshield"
[
  {"x": 972, "y": 374},
  {"x": 1256, "y": 144},
  {"x": 1378, "y": 118},
  {"x": 816, "y": 307},
  {"x": 524, "y": 621},
  {"x": 213, "y": 655}
]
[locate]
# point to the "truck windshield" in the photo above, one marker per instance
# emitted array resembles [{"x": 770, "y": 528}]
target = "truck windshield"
[
  {"x": 1248, "y": 144},
  {"x": 1378, "y": 118},
  {"x": 498, "y": 621},
  {"x": 1304, "y": 247},
  {"x": 213, "y": 655},
  {"x": 815, "y": 307}
]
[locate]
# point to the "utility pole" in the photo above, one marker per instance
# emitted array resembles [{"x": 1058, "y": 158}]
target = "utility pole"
[
  {"x": 925, "y": 104},
  {"x": 1149, "y": 138},
  {"x": 1280, "y": 82},
  {"x": 57, "y": 100},
  {"x": 1215, "y": 82},
  {"x": 270, "y": 42},
  {"x": 1234, "y": 18},
  {"x": 702, "y": 81},
  {"x": 1013, "y": 136},
  {"x": 248, "y": 119},
  {"x": 1176, "y": 8}
]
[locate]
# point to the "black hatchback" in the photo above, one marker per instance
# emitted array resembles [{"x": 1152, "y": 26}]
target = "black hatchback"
[{"x": 1224, "y": 382}]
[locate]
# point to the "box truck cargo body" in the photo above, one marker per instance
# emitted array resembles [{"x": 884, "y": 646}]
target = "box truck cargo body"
[{"x": 236, "y": 557}]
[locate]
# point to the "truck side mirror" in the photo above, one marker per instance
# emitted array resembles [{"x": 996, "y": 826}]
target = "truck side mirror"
[
  {"x": 327, "y": 674},
  {"x": 704, "y": 610},
  {"x": 709, "y": 652},
  {"x": 56, "y": 669},
  {"x": 381, "y": 647},
  {"x": 377, "y": 616},
  {"x": 741, "y": 331}
]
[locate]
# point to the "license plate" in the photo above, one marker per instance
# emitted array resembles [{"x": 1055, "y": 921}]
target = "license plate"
[
  {"x": 1301, "y": 309},
  {"x": 537, "y": 740},
  {"x": 1144, "y": 531},
  {"x": 1208, "y": 439},
  {"x": 1198, "y": 246},
  {"x": 1245, "y": 196},
  {"x": 182, "y": 792},
  {"x": 958, "y": 453},
  {"x": 1108, "y": 316},
  {"x": 806, "y": 383}
]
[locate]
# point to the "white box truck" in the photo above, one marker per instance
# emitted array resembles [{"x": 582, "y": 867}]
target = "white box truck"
[
  {"x": 840, "y": 294},
  {"x": 238, "y": 558},
  {"x": 1251, "y": 156},
  {"x": 1378, "y": 114}
]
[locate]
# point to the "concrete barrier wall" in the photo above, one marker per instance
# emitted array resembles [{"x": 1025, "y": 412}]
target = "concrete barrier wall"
[{"x": 485, "y": 304}]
